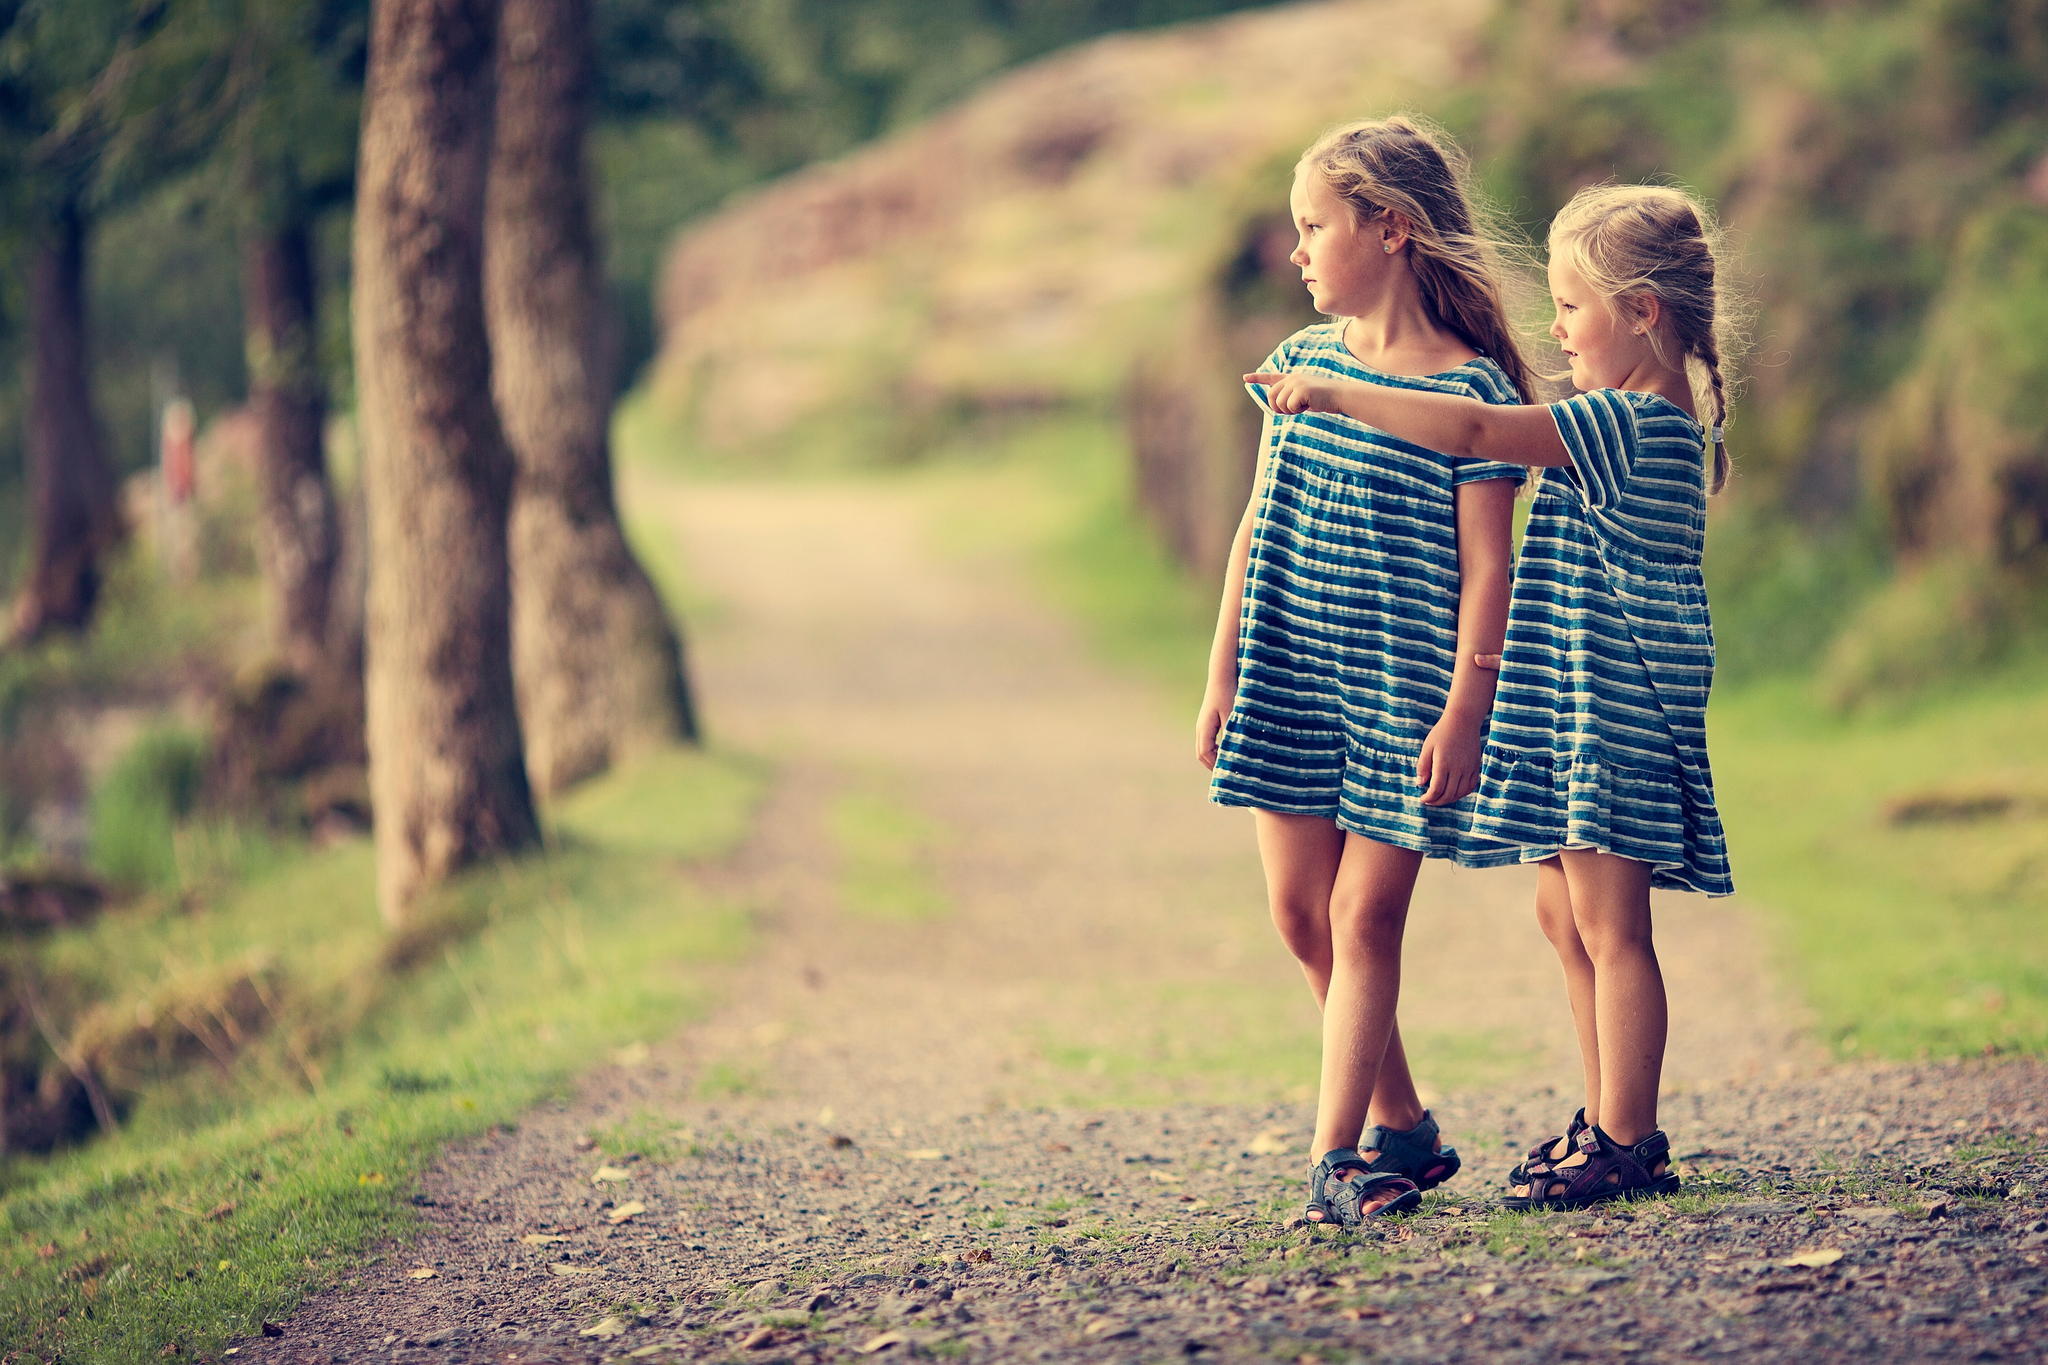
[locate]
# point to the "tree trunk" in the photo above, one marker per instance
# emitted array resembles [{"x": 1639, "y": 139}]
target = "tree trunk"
[
  {"x": 447, "y": 774},
  {"x": 299, "y": 533},
  {"x": 73, "y": 502},
  {"x": 598, "y": 665}
]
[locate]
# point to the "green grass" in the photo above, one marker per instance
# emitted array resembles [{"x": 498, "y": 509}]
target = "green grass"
[
  {"x": 1909, "y": 938},
  {"x": 229, "y": 1193}
]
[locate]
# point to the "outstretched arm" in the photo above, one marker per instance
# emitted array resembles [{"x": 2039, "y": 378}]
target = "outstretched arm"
[{"x": 1440, "y": 421}]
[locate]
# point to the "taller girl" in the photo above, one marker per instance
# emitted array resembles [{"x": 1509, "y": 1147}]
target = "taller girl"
[
  {"x": 1597, "y": 760},
  {"x": 1347, "y": 700}
]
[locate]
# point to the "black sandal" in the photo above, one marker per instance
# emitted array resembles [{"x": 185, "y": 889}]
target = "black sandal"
[
  {"x": 1540, "y": 1161},
  {"x": 1416, "y": 1153},
  {"x": 1341, "y": 1203},
  {"x": 1610, "y": 1171}
]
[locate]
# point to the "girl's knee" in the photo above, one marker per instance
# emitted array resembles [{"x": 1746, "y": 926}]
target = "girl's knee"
[
  {"x": 1370, "y": 924},
  {"x": 1554, "y": 917},
  {"x": 1617, "y": 939},
  {"x": 1305, "y": 928}
]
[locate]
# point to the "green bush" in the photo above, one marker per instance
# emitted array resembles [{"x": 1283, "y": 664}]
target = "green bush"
[{"x": 136, "y": 809}]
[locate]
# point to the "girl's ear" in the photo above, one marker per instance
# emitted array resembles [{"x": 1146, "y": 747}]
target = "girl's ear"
[
  {"x": 1643, "y": 309},
  {"x": 1394, "y": 230}
]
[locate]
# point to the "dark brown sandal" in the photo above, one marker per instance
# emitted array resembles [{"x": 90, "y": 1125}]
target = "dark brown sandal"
[
  {"x": 1341, "y": 1203},
  {"x": 1610, "y": 1171},
  {"x": 1539, "y": 1161}
]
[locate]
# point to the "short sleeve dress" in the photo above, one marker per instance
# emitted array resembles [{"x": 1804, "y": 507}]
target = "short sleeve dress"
[
  {"x": 1347, "y": 633},
  {"x": 1598, "y": 735}
]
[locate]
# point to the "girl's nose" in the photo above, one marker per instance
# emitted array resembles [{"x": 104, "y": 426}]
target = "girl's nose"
[{"x": 1299, "y": 256}]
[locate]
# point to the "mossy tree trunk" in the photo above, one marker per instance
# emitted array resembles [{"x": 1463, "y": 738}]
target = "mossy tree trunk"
[
  {"x": 598, "y": 664},
  {"x": 74, "y": 506},
  {"x": 447, "y": 773}
]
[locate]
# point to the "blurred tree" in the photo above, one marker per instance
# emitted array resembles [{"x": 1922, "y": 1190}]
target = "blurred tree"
[
  {"x": 447, "y": 775},
  {"x": 64, "y": 72},
  {"x": 292, "y": 155},
  {"x": 101, "y": 102},
  {"x": 598, "y": 666}
]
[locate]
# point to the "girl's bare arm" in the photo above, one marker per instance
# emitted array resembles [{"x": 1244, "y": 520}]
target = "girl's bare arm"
[{"x": 1440, "y": 421}]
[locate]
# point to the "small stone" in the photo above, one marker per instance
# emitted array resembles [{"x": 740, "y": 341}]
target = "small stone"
[
  {"x": 819, "y": 1301},
  {"x": 1108, "y": 1329},
  {"x": 1258, "y": 1286}
]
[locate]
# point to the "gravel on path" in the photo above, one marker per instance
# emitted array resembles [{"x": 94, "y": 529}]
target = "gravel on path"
[{"x": 856, "y": 1155}]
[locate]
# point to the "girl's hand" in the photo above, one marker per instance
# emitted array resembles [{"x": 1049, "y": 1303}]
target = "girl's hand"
[
  {"x": 1292, "y": 393},
  {"x": 1448, "y": 769},
  {"x": 1209, "y": 722}
]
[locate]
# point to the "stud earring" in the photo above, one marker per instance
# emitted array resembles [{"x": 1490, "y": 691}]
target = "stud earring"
[{"x": 1387, "y": 247}]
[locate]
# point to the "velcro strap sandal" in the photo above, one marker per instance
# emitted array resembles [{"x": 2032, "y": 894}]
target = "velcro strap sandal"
[
  {"x": 1341, "y": 1201},
  {"x": 1417, "y": 1153}
]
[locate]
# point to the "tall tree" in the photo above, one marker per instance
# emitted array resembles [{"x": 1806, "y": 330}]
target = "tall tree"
[
  {"x": 65, "y": 71},
  {"x": 73, "y": 504},
  {"x": 299, "y": 538},
  {"x": 598, "y": 666},
  {"x": 293, "y": 155},
  {"x": 101, "y": 102},
  {"x": 447, "y": 775}
]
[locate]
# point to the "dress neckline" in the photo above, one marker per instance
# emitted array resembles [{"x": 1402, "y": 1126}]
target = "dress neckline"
[{"x": 1337, "y": 336}]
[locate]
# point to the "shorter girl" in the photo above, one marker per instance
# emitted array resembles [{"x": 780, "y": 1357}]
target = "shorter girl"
[{"x": 1596, "y": 760}]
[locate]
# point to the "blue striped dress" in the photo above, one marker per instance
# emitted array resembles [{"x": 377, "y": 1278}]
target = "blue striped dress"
[
  {"x": 1598, "y": 737},
  {"x": 1347, "y": 634}
]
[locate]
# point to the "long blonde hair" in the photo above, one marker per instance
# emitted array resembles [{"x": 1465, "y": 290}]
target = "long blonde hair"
[
  {"x": 1662, "y": 241},
  {"x": 1458, "y": 247}
]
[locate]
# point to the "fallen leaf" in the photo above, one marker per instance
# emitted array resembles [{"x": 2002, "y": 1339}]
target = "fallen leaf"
[
  {"x": 420, "y": 1272},
  {"x": 1362, "y": 1313},
  {"x": 568, "y": 1268},
  {"x": 925, "y": 1154},
  {"x": 1271, "y": 1142},
  {"x": 758, "y": 1338},
  {"x": 1168, "y": 1177},
  {"x": 220, "y": 1210},
  {"x": 605, "y": 1328},
  {"x": 613, "y": 1174},
  {"x": 979, "y": 1255},
  {"x": 1814, "y": 1259},
  {"x": 370, "y": 1178},
  {"x": 1059, "y": 1147},
  {"x": 625, "y": 1211},
  {"x": 541, "y": 1239},
  {"x": 882, "y": 1342}
]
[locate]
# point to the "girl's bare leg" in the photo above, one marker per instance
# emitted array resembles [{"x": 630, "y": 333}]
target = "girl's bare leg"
[
  {"x": 1301, "y": 854},
  {"x": 1610, "y": 900},
  {"x": 1554, "y": 913},
  {"x": 1368, "y": 913}
]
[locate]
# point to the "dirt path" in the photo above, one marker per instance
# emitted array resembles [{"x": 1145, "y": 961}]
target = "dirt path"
[{"x": 864, "y": 1149}]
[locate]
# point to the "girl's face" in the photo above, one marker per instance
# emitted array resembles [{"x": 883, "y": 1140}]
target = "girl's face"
[
  {"x": 1342, "y": 261},
  {"x": 1602, "y": 344}
]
